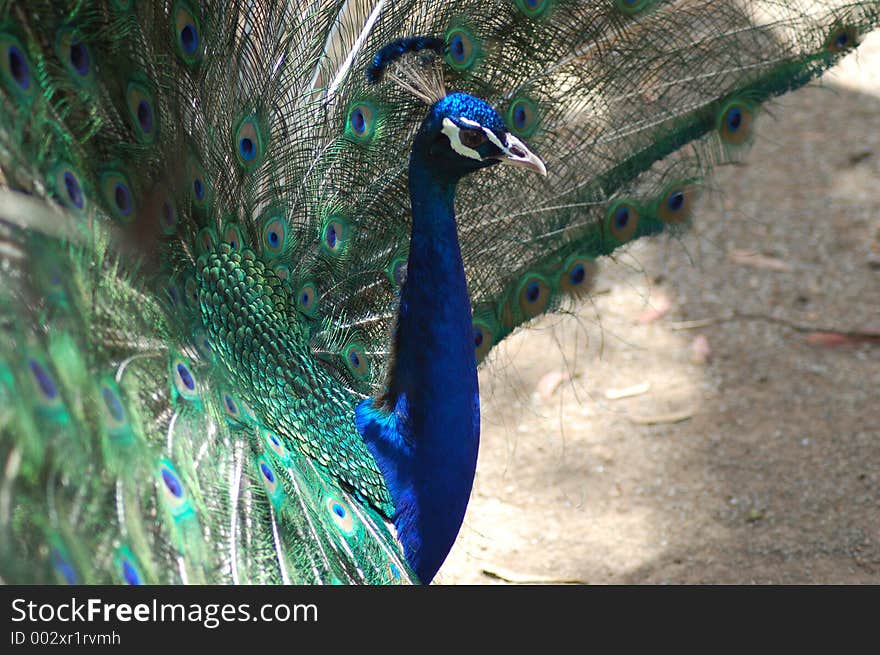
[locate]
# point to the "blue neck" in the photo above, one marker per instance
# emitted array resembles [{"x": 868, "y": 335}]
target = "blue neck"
[{"x": 426, "y": 434}]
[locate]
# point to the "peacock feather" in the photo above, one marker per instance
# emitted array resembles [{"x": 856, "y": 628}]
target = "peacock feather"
[{"x": 249, "y": 265}]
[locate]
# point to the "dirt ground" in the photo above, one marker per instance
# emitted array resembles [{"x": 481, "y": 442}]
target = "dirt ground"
[{"x": 746, "y": 447}]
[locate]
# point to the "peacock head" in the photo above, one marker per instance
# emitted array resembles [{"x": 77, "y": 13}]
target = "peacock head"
[{"x": 462, "y": 134}]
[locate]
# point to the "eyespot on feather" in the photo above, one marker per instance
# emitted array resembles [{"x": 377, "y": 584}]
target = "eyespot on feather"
[
  {"x": 113, "y": 410},
  {"x": 361, "y": 122},
  {"x": 275, "y": 235},
  {"x": 335, "y": 236},
  {"x": 340, "y": 514},
  {"x": 172, "y": 492},
  {"x": 44, "y": 385},
  {"x": 577, "y": 276},
  {"x": 269, "y": 479},
  {"x": 232, "y": 407},
  {"x": 462, "y": 48},
  {"x": 357, "y": 361},
  {"x": 533, "y": 8},
  {"x": 200, "y": 190},
  {"x": 396, "y": 271},
  {"x": 232, "y": 237},
  {"x": 16, "y": 69},
  {"x": 842, "y": 39},
  {"x": 68, "y": 188},
  {"x": 187, "y": 34},
  {"x": 676, "y": 204},
  {"x": 275, "y": 444},
  {"x": 183, "y": 380},
  {"x": 249, "y": 142},
  {"x": 118, "y": 195},
  {"x": 128, "y": 571},
  {"x": 522, "y": 116},
  {"x": 76, "y": 55},
  {"x": 484, "y": 339},
  {"x": 533, "y": 296},
  {"x": 622, "y": 221},
  {"x": 735, "y": 123},
  {"x": 307, "y": 299},
  {"x": 142, "y": 112},
  {"x": 207, "y": 240}
]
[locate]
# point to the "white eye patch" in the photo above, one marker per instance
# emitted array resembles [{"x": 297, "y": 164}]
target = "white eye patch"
[{"x": 453, "y": 133}]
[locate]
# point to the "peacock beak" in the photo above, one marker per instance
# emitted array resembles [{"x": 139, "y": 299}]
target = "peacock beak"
[{"x": 515, "y": 153}]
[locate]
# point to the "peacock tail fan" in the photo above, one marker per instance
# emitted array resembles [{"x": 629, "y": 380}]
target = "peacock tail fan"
[{"x": 204, "y": 223}]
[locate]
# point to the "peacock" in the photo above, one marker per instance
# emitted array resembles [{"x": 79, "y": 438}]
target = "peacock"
[{"x": 249, "y": 262}]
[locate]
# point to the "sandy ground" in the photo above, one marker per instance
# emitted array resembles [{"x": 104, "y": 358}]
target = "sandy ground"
[{"x": 744, "y": 451}]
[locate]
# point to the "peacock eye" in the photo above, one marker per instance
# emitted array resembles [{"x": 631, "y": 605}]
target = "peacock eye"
[{"x": 472, "y": 138}]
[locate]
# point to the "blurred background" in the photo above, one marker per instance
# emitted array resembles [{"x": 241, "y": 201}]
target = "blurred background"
[{"x": 712, "y": 413}]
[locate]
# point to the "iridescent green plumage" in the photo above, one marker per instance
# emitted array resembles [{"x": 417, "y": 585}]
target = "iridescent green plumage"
[{"x": 200, "y": 284}]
